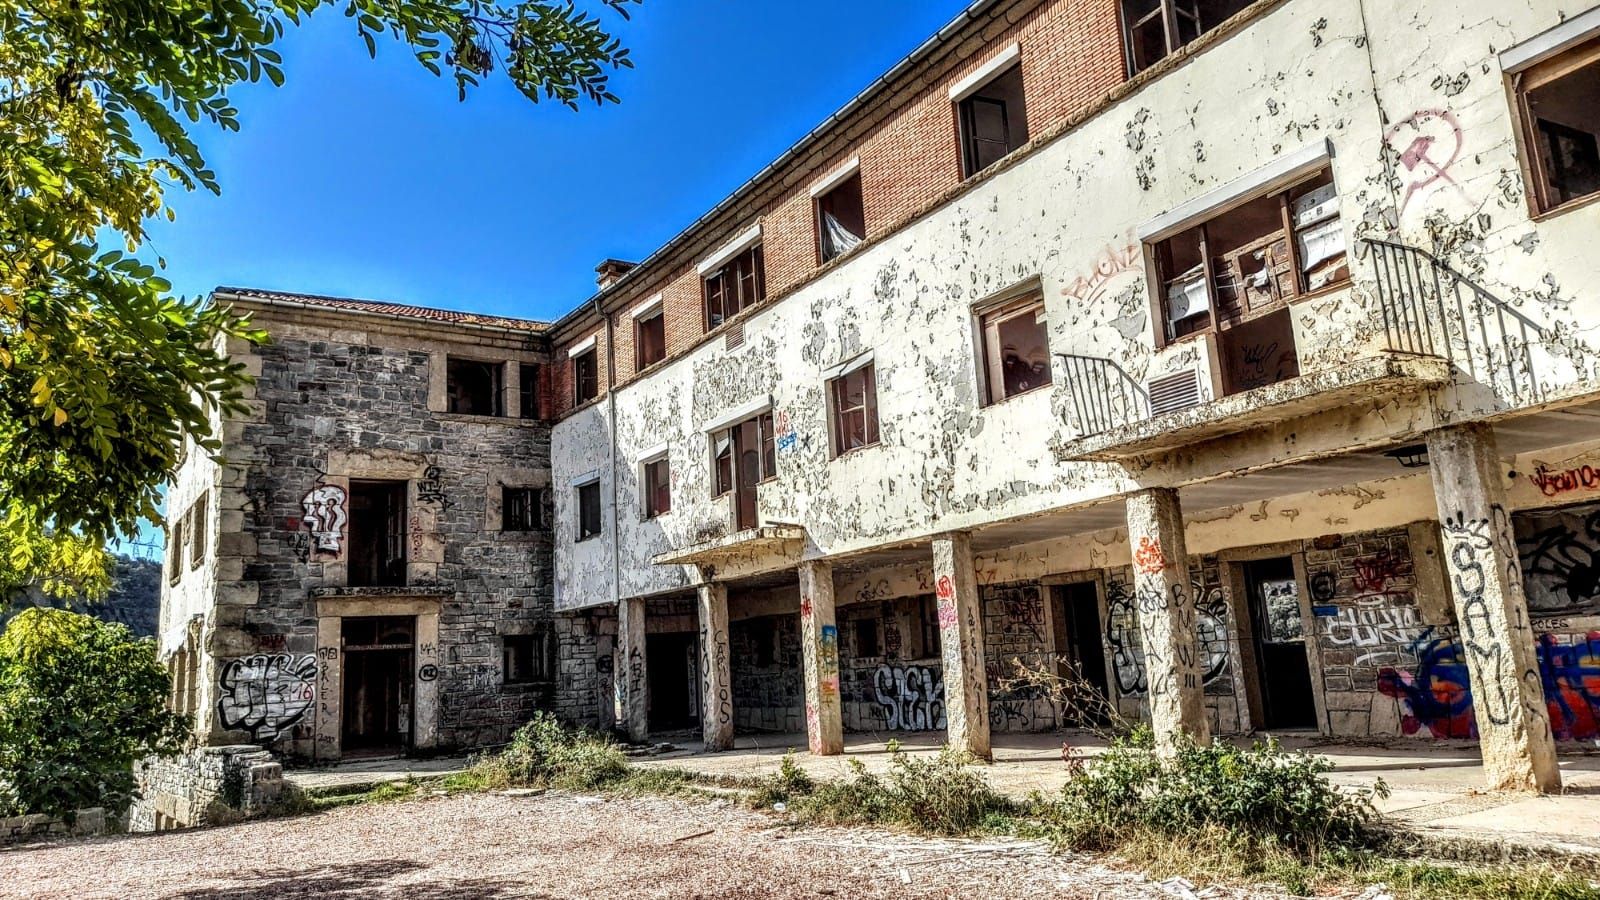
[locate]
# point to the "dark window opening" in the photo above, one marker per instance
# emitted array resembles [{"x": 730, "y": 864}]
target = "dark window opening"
[
  {"x": 528, "y": 391},
  {"x": 1016, "y": 348},
  {"x": 740, "y": 284},
  {"x": 588, "y": 510},
  {"x": 474, "y": 387},
  {"x": 519, "y": 509},
  {"x": 377, "y": 664},
  {"x": 377, "y": 533},
  {"x": 585, "y": 376},
  {"x": 527, "y": 658},
  {"x": 649, "y": 340},
  {"x": 868, "y": 638},
  {"x": 1152, "y": 29},
  {"x": 994, "y": 122},
  {"x": 744, "y": 456},
  {"x": 657, "y": 488},
  {"x": 854, "y": 396},
  {"x": 841, "y": 219},
  {"x": 1560, "y": 101}
]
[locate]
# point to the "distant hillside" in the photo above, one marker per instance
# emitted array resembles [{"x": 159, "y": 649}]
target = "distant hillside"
[{"x": 134, "y": 600}]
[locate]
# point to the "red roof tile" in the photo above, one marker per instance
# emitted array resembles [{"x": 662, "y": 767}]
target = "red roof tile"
[{"x": 449, "y": 316}]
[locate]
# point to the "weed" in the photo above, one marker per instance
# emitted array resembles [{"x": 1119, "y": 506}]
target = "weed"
[
  {"x": 941, "y": 795},
  {"x": 545, "y": 753}
]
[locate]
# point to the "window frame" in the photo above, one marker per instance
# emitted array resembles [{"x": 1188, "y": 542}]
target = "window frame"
[
  {"x": 1569, "y": 61},
  {"x": 528, "y": 523},
  {"x": 540, "y": 653},
  {"x": 199, "y": 522},
  {"x": 528, "y": 405},
  {"x": 735, "y": 283},
  {"x": 591, "y": 353},
  {"x": 820, "y": 206},
  {"x": 578, "y": 490},
  {"x": 765, "y": 436},
  {"x": 497, "y": 384},
  {"x": 835, "y": 387},
  {"x": 649, "y": 508},
  {"x": 987, "y": 318}
]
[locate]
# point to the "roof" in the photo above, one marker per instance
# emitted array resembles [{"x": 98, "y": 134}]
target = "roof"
[{"x": 379, "y": 307}]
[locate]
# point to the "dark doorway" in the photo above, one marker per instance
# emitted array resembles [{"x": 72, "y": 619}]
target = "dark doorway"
[
  {"x": 377, "y": 683},
  {"x": 377, "y": 533},
  {"x": 1278, "y": 634},
  {"x": 673, "y": 678},
  {"x": 1079, "y": 654}
]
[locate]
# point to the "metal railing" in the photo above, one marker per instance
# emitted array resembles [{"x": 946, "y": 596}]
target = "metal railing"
[
  {"x": 1103, "y": 395},
  {"x": 1431, "y": 309}
]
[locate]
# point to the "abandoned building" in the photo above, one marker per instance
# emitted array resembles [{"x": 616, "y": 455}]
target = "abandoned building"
[{"x": 1231, "y": 357}]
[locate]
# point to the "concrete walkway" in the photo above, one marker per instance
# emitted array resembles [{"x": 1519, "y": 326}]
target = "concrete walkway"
[
  {"x": 360, "y": 775},
  {"x": 1435, "y": 787}
]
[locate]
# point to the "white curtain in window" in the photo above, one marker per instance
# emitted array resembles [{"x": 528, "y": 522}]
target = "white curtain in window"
[{"x": 836, "y": 238}]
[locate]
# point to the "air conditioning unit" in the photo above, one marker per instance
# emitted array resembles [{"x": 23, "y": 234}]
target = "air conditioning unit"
[{"x": 1170, "y": 393}]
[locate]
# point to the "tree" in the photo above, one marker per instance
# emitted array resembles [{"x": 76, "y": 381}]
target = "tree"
[
  {"x": 103, "y": 373},
  {"x": 80, "y": 701}
]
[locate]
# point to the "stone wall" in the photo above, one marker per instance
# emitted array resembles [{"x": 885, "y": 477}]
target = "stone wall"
[
  {"x": 21, "y": 829},
  {"x": 205, "y": 786}
]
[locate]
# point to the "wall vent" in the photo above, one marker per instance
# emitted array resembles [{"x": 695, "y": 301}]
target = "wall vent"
[
  {"x": 734, "y": 338},
  {"x": 1170, "y": 393}
]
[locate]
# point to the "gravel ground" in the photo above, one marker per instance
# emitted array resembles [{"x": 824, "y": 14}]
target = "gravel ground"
[{"x": 555, "y": 845}]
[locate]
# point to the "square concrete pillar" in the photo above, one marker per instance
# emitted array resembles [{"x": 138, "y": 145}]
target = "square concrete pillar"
[
  {"x": 966, "y": 688},
  {"x": 1485, "y": 576},
  {"x": 1168, "y": 624},
  {"x": 716, "y": 705},
  {"x": 628, "y": 674},
  {"x": 819, "y": 639}
]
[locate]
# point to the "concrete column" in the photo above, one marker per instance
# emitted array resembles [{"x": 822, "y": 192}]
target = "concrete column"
[
  {"x": 1168, "y": 628},
  {"x": 628, "y": 674},
  {"x": 1485, "y": 577},
  {"x": 716, "y": 704},
  {"x": 966, "y": 690},
  {"x": 819, "y": 638}
]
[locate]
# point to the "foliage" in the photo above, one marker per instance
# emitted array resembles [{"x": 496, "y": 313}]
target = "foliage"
[
  {"x": 80, "y": 701},
  {"x": 546, "y": 753},
  {"x": 103, "y": 374}
]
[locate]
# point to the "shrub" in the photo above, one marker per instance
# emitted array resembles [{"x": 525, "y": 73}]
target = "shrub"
[
  {"x": 938, "y": 795},
  {"x": 80, "y": 701},
  {"x": 546, "y": 753},
  {"x": 788, "y": 783}
]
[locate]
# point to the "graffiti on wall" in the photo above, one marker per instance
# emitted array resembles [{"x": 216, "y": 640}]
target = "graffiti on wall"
[
  {"x": 1560, "y": 553},
  {"x": 1437, "y": 695},
  {"x": 324, "y": 517},
  {"x": 1127, "y": 651},
  {"x": 266, "y": 694},
  {"x": 911, "y": 697},
  {"x": 1427, "y": 144},
  {"x": 1554, "y": 484},
  {"x": 1112, "y": 263},
  {"x": 1022, "y": 611}
]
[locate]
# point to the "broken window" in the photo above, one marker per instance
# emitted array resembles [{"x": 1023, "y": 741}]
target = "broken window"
[
  {"x": 841, "y": 219},
  {"x": 1152, "y": 29},
  {"x": 1016, "y": 348},
  {"x": 854, "y": 400},
  {"x": 527, "y": 658},
  {"x": 740, "y": 284},
  {"x": 1560, "y": 103},
  {"x": 649, "y": 339},
  {"x": 377, "y": 533},
  {"x": 473, "y": 387},
  {"x": 588, "y": 510},
  {"x": 585, "y": 376},
  {"x": 197, "y": 529},
  {"x": 657, "y": 488},
  {"x": 994, "y": 122},
  {"x": 528, "y": 391},
  {"x": 519, "y": 508},
  {"x": 742, "y": 457}
]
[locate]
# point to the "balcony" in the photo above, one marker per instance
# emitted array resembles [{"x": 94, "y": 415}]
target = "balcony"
[{"x": 762, "y": 548}]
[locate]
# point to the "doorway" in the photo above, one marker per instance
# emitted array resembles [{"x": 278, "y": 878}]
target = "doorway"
[
  {"x": 1278, "y": 635},
  {"x": 377, "y": 683},
  {"x": 1079, "y": 654},
  {"x": 377, "y": 533},
  {"x": 673, "y": 680}
]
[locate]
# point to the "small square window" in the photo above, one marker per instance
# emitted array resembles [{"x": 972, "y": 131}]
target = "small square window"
[
  {"x": 649, "y": 339},
  {"x": 527, "y": 658},
  {"x": 1561, "y": 124},
  {"x": 519, "y": 509},
  {"x": 853, "y": 397},
  {"x": 588, "y": 510},
  {"x": 1016, "y": 348},
  {"x": 841, "y": 219},
  {"x": 585, "y": 376},
  {"x": 473, "y": 387},
  {"x": 994, "y": 122},
  {"x": 528, "y": 391},
  {"x": 657, "y": 488}
]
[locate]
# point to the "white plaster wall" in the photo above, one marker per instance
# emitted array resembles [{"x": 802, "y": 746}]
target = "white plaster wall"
[{"x": 1067, "y": 215}]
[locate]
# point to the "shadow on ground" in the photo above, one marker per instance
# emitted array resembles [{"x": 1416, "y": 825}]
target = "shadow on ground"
[{"x": 365, "y": 879}]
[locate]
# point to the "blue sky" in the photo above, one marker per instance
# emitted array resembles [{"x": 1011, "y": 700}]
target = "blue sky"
[{"x": 368, "y": 178}]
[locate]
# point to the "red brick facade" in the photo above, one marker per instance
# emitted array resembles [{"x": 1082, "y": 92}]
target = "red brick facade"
[{"x": 906, "y": 137}]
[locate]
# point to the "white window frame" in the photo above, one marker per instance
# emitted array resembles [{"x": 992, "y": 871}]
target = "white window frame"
[
  {"x": 985, "y": 73},
  {"x": 744, "y": 241}
]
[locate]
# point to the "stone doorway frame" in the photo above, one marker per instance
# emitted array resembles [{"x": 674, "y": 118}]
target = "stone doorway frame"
[
  {"x": 1247, "y": 681},
  {"x": 331, "y": 613}
]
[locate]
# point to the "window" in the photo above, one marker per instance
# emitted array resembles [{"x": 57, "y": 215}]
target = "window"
[
  {"x": 588, "y": 510},
  {"x": 740, "y": 284},
  {"x": 473, "y": 387},
  {"x": 528, "y": 391},
  {"x": 649, "y": 339},
  {"x": 994, "y": 122},
  {"x": 519, "y": 509},
  {"x": 1560, "y": 107},
  {"x": 1251, "y": 259},
  {"x": 175, "y": 551},
  {"x": 929, "y": 607},
  {"x": 198, "y": 515},
  {"x": 657, "y": 488},
  {"x": 1016, "y": 349},
  {"x": 841, "y": 219},
  {"x": 527, "y": 658},
  {"x": 750, "y": 441},
  {"x": 585, "y": 376},
  {"x": 1154, "y": 28},
  {"x": 867, "y": 638},
  {"x": 377, "y": 555},
  {"x": 853, "y": 397}
]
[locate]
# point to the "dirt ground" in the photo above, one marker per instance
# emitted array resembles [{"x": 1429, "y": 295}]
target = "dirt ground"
[{"x": 555, "y": 845}]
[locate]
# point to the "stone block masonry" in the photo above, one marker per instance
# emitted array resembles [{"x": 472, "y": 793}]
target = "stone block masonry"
[{"x": 205, "y": 786}]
